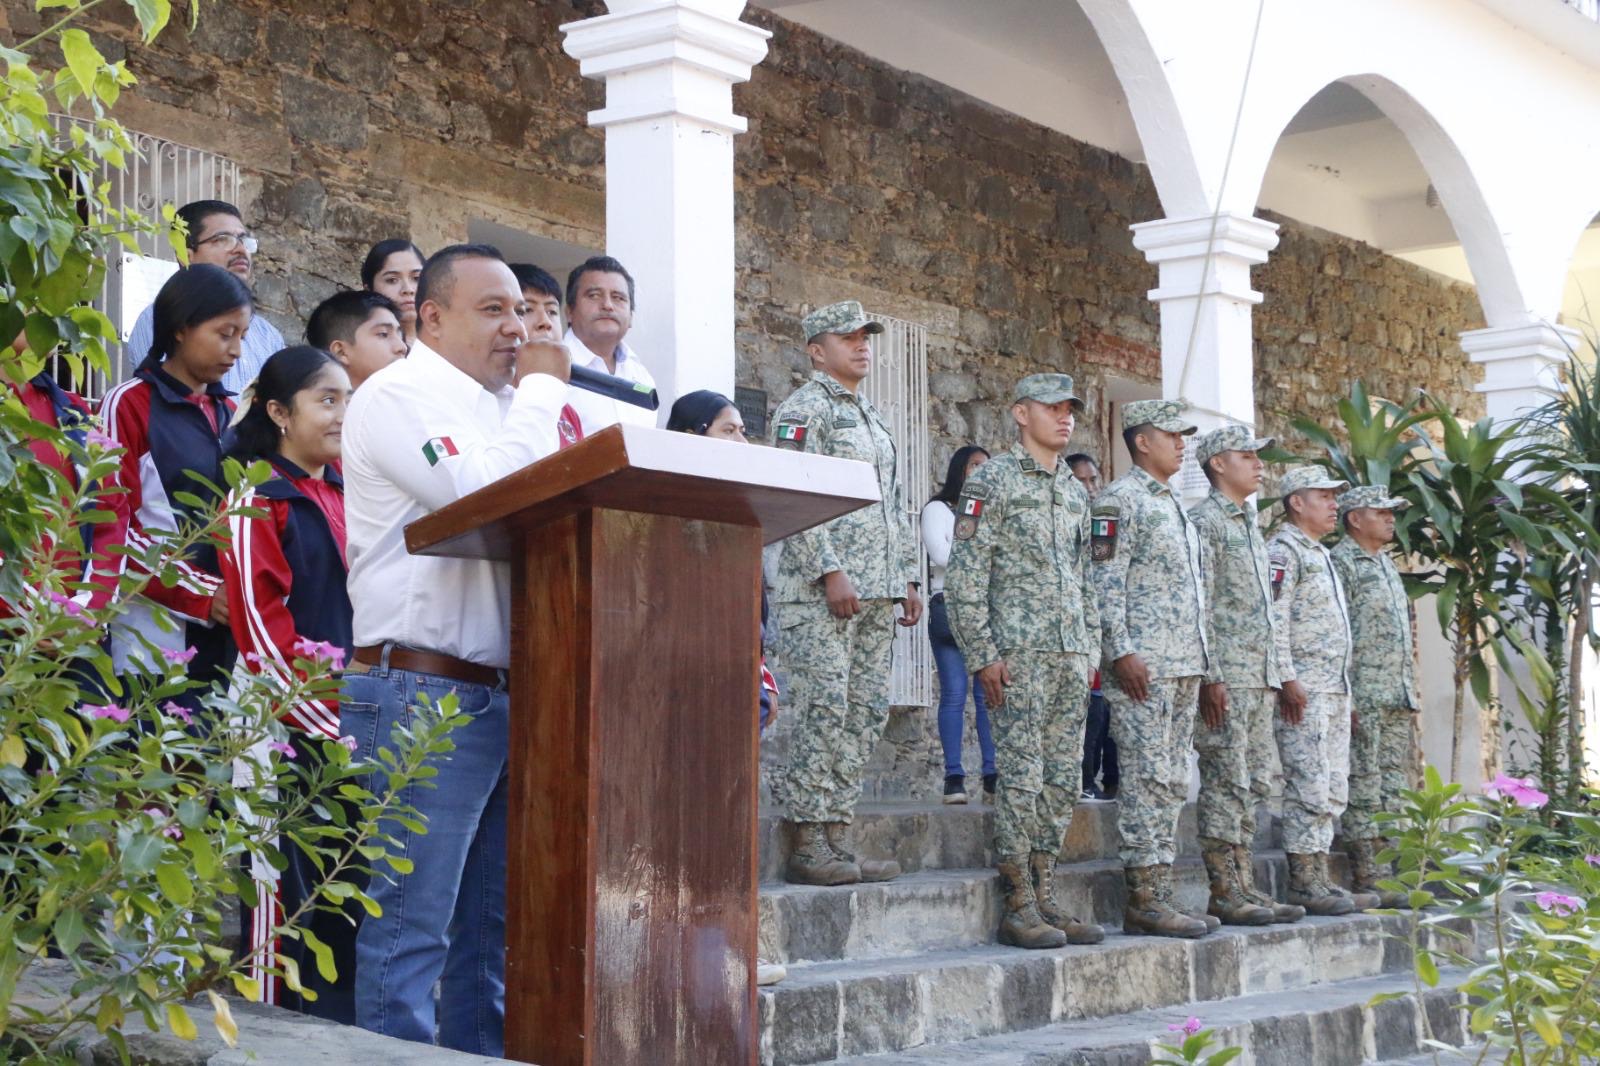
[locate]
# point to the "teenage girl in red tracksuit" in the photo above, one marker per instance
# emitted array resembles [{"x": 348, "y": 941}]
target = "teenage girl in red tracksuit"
[
  {"x": 285, "y": 574},
  {"x": 169, "y": 419}
]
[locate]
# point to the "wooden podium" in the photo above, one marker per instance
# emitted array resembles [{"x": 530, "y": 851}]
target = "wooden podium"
[{"x": 631, "y": 874}]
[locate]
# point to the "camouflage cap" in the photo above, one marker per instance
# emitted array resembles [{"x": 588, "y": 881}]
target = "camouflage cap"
[
  {"x": 1234, "y": 437},
  {"x": 1299, "y": 478},
  {"x": 1046, "y": 388},
  {"x": 846, "y": 316},
  {"x": 1374, "y": 496},
  {"x": 1163, "y": 414}
]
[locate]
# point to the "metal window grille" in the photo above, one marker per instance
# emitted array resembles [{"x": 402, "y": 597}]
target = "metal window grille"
[
  {"x": 898, "y": 387},
  {"x": 158, "y": 172}
]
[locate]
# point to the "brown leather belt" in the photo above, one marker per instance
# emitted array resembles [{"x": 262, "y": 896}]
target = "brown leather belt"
[{"x": 432, "y": 662}]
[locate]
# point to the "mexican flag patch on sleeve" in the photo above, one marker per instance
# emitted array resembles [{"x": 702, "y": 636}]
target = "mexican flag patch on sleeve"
[
  {"x": 439, "y": 448},
  {"x": 790, "y": 435}
]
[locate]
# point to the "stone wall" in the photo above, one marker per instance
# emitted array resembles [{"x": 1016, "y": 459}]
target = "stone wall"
[{"x": 1009, "y": 242}]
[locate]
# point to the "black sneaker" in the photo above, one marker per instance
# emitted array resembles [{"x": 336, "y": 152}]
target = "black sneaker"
[
  {"x": 955, "y": 790},
  {"x": 988, "y": 784}
]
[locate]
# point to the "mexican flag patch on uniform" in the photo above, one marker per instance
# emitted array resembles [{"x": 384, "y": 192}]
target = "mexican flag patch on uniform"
[
  {"x": 1103, "y": 533},
  {"x": 439, "y": 448},
  {"x": 790, "y": 435}
]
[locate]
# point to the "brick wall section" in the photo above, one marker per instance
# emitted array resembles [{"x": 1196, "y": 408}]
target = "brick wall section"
[{"x": 1009, "y": 241}]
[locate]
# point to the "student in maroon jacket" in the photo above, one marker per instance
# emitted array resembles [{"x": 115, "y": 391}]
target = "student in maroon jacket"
[
  {"x": 285, "y": 574},
  {"x": 169, "y": 418}
]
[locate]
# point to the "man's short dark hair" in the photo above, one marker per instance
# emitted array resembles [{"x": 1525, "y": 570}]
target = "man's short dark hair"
[
  {"x": 1131, "y": 434},
  {"x": 598, "y": 264},
  {"x": 536, "y": 278},
  {"x": 194, "y": 216},
  {"x": 1081, "y": 457},
  {"x": 339, "y": 316},
  {"x": 1211, "y": 475},
  {"x": 438, "y": 279}
]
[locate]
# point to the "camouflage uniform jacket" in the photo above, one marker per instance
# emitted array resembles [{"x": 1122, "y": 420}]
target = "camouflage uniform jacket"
[
  {"x": 1233, "y": 554},
  {"x": 1147, "y": 571},
  {"x": 874, "y": 545},
  {"x": 1018, "y": 578},
  {"x": 1381, "y": 677},
  {"x": 1313, "y": 623}
]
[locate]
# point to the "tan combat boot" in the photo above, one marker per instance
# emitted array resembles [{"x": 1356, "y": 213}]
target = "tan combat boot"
[
  {"x": 1147, "y": 914},
  {"x": 1365, "y": 870},
  {"x": 1042, "y": 865},
  {"x": 1168, "y": 896},
  {"x": 1245, "y": 864},
  {"x": 1228, "y": 903},
  {"x": 1362, "y": 901},
  {"x": 1022, "y": 926},
  {"x": 813, "y": 863},
  {"x": 1306, "y": 890},
  {"x": 871, "y": 869}
]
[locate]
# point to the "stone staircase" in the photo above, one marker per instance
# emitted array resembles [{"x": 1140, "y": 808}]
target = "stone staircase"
[{"x": 907, "y": 971}]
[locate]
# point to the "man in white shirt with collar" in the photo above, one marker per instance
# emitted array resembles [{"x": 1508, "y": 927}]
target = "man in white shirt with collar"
[
  {"x": 599, "y": 313},
  {"x": 472, "y": 403}
]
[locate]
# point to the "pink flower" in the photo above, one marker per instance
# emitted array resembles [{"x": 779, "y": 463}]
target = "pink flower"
[
  {"x": 97, "y": 439},
  {"x": 320, "y": 649},
  {"x": 67, "y": 603},
  {"x": 252, "y": 658},
  {"x": 350, "y": 743},
  {"x": 178, "y": 711},
  {"x": 1557, "y": 904},
  {"x": 109, "y": 710},
  {"x": 286, "y": 750},
  {"x": 1188, "y": 1028},
  {"x": 1521, "y": 792},
  {"x": 173, "y": 832},
  {"x": 179, "y": 656},
  {"x": 1592, "y": 860}
]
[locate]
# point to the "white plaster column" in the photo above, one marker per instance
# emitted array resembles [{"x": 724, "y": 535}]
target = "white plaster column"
[
  {"x": 669, "y": 68},
  {"x": 1207, "y": 348},
  {"x": 1521, "y": 365}
]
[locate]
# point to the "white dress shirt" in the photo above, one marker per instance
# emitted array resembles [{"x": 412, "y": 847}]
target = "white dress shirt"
[
  {"x": 938, "y": 534},
  {"x": 261, "y": 341},
  {"x": 421, "y": 434},
  {"x": 596, "y": 411}
]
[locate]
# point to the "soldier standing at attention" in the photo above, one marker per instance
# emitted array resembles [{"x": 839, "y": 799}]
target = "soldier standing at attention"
[
  {"x": 837, "y": 588},
  {"x": 1016, "y": 589},
  {"x": 1313, "y": 723},
  {"x": 1234, "y": 734},
  {"x": 1383, "y": 688},
  {"x": 1153, "y": 642}
]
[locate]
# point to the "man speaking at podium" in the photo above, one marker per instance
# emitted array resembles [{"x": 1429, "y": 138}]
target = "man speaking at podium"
[{"x": 472, "y": 403}]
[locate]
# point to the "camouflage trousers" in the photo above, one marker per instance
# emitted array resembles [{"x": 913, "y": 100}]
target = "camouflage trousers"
[
  {"x": 1153, "y": 739},
  {"x": 1038, "y": 749},
  {"x": 838, "y": 673},
  {"x": 1236, "y": 764},
  {"x": 1316, "y": 771},
  {"x": 1380, "y": 765}
]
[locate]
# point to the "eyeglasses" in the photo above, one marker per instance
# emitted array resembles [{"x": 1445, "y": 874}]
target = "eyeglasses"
[{"x": 229, "y": 241}]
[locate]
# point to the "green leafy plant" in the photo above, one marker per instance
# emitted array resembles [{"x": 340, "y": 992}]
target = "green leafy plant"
[{"x": 1195, "y": 1049}]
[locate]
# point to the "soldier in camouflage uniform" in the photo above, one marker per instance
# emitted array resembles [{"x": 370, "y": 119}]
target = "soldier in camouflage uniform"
[
  {"x": 1382, "y": 683},
  {"x": 1234, "y": 734},
  {"x": 1147, "y": 575},
  {"x": 1016, "y": 591},
  {"x": 838, "y": 585},
  {"x": 1313, "y": 723}
]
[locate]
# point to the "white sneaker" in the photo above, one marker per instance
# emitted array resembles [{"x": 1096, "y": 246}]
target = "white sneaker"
[{"x": 769, "y": 973}]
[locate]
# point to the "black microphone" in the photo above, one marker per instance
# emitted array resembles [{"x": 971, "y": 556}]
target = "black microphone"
[{"x": 636, "y": 393}]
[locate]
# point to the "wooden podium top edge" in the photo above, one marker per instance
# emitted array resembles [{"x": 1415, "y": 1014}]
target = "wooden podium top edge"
[{"x": 633, "y": 468}]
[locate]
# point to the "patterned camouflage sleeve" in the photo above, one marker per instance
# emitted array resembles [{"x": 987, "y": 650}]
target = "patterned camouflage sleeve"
[
  {"x": 1283, "y": 566},
  {"x": 1209, "y": 534},
  {"x": 799, "y": 427},
  {"x": 1091, "y": 600},
  {"x": 966, "y": 580},
  {"x": 1110, "y": 548}
]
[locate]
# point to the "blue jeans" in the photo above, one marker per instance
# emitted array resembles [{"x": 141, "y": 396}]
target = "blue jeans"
[
  {"x": 445, "y": 922},
  {"x": 952, "y": 670}
]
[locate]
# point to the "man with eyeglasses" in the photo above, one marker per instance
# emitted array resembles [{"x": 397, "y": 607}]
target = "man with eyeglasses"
[{"x": 217, "y": 235}]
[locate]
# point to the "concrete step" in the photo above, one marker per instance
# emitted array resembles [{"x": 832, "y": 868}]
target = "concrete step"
[
  {"x": 941, "y": 910},
  {"x": 1337, "y": 1027},
  {"x": 937, "y": 836},
  {"x": 826, "y": 1010},
  {"x": 1471, "y": 1055}
]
